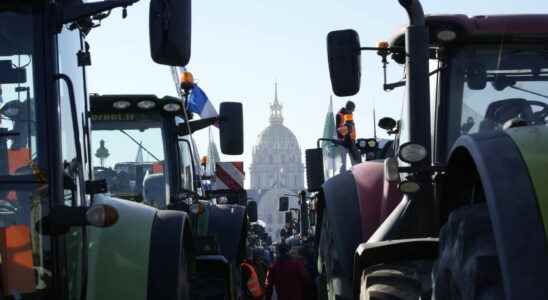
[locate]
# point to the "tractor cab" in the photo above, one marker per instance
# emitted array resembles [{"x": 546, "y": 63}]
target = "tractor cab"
[
  {"x": 146, "y": 153},
  {"x": 165, "y": 169},
  {"x": 487, "y": 74},
  {"x": 472, "y": 136},
  {"x": 53, "y": 214},
  {"x": 131, "y": 135}
]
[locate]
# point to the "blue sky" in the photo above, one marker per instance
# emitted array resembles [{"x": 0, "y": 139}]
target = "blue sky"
[{"x": 240, "y": 48}]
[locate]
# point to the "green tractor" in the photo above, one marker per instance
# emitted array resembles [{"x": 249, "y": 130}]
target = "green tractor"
[
  {"x": 166, "y": 175},
  {"x": 470, "y": 167},
  {"x": 61, "y": 235}
]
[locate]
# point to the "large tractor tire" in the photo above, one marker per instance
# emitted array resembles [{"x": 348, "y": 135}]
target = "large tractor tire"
[
  {"x": 208, "y": 286},
  {"x": 400, "y": 281},
  {"x": 332, "y": 285},
  {"x": 468, "y": 266}
]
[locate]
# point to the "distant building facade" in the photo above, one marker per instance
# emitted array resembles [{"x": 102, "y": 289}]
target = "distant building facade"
[{"x": 276, "y": 169}]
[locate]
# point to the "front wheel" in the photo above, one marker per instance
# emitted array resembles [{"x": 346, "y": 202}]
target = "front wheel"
[
  {"x": 399, "y": 281},
  {"x": 468, "y": 266}
]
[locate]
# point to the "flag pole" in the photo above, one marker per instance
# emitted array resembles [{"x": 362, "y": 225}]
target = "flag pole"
[{"x": 374, "y": 121}]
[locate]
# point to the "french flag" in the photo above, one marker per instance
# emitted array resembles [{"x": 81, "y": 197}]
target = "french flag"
[{"x": 200, "y": 104}]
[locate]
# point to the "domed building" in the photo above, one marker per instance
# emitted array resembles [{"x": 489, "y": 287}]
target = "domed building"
[{"x": 276, "y": 169}]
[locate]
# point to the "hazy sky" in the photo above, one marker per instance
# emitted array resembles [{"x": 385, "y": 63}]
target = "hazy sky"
[{"x": 240, "y": 48}]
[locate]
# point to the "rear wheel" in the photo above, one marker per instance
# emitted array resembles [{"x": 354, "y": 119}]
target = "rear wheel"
[
  {"x": 400, "y": 281},
  {"x": 468, "y": 266}
]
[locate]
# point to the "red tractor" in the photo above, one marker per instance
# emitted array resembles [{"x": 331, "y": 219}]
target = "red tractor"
[{"x": 461, "y": 210}]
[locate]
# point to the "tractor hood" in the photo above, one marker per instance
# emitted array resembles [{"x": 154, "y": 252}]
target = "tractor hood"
[{"x": 532, "y": 142}]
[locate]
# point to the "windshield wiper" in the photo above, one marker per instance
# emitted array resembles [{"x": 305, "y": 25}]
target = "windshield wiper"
[
  {"x": 528, "y": 91},
  {"x": 9, "y": 133},
  {"x": 139, "y": 144}
]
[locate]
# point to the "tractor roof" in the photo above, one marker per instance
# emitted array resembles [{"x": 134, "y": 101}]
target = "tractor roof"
[{"x": 484, "y": 29}]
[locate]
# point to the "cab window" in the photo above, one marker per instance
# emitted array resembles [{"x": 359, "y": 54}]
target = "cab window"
[{"x": 186, "y": 166}]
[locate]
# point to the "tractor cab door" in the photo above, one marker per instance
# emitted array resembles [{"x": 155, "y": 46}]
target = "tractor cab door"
[{"x": 41, "y": 165}]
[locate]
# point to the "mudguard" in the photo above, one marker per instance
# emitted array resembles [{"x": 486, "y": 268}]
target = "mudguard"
[
  {"x": 386, "y": 252},
  {"x": 514, "y": 211},
  {"x": 342, "y": 210},
  {"x": 227, "y": 223},
  {"x": 169, "y": 256},
  {"x": 356, "y": 204},
  {"x": 118, "y": 256},
  {"x": 141, "y": 256}
]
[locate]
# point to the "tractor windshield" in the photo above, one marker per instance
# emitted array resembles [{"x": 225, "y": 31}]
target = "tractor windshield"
[
  {"x": 130, "y": 156},
  {"x": 493, "y": 87}
]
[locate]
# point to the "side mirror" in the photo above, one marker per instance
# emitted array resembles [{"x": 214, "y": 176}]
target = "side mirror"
[
  {"x": 283, "y": 204},
  {"x": 314, "y": 169},
  {"x": 9, "y": 74},
  {"x": 344, "y": 58},
  {"x": 252, "y": 212},
  {"x": 387, "y": 123},
  {"x": 170, "y": 28},
  {"x": 231, "y": 128},
  {"x": 476, "y": 76}
]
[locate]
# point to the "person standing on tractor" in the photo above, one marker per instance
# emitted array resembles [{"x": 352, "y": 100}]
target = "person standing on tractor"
[
  {"x": 289, "y": 276},
  {"x": 346, "y": 134}
]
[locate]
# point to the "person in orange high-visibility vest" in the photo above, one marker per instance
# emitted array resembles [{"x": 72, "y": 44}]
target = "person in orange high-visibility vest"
[
  {"x": 253, "y": 288},
  {"x": 346, "y": 134}
]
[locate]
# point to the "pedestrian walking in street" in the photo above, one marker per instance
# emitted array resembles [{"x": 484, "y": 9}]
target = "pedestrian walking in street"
[
  {"x": 252, "y": 286},
  {"x": 289, "y": 277}
]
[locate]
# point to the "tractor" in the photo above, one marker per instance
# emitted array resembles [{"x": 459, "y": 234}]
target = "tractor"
[
  {"x": 169, "y": 178},
  {"x": 467, "y": 213},
  {"x": 61, "y": 235}
]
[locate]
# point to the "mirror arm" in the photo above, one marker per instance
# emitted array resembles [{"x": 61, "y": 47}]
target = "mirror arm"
[
  {"x": 75, "y": 12},
  {"x": 390, "y": 86},
  {"x": 334, "y": 141},
  {"x": 196, "y": 125},
  {"x": 389, "y": 49}
]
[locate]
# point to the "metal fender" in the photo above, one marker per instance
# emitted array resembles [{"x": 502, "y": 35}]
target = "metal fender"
[
  {"x": 387, "y": 252},
  {"x": 356, "y": 203},
  {"x": 170, "y": 254},
  {"x": 227, "y": 223},
  {"x": 514, "y": 211},
  {"x": 118, "y": 256},
  {"x": 342, "y": 209}
]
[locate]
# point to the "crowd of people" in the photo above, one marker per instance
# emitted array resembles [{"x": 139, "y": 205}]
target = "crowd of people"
[{"x": 290, "y": 276}]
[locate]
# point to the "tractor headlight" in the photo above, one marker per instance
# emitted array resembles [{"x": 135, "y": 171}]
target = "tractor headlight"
[
  {"x": 172, "y": 107},
  {"x": 391, "y": 169},
  {"x": 11, "y": 112},
  {"x": 412, "y": 153},
  {"x": 122, "y": 104},
  {"x": 446, "y": 35},
  {"x": 409, "y": 187},
  {"x": 146, "y": 104}
]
